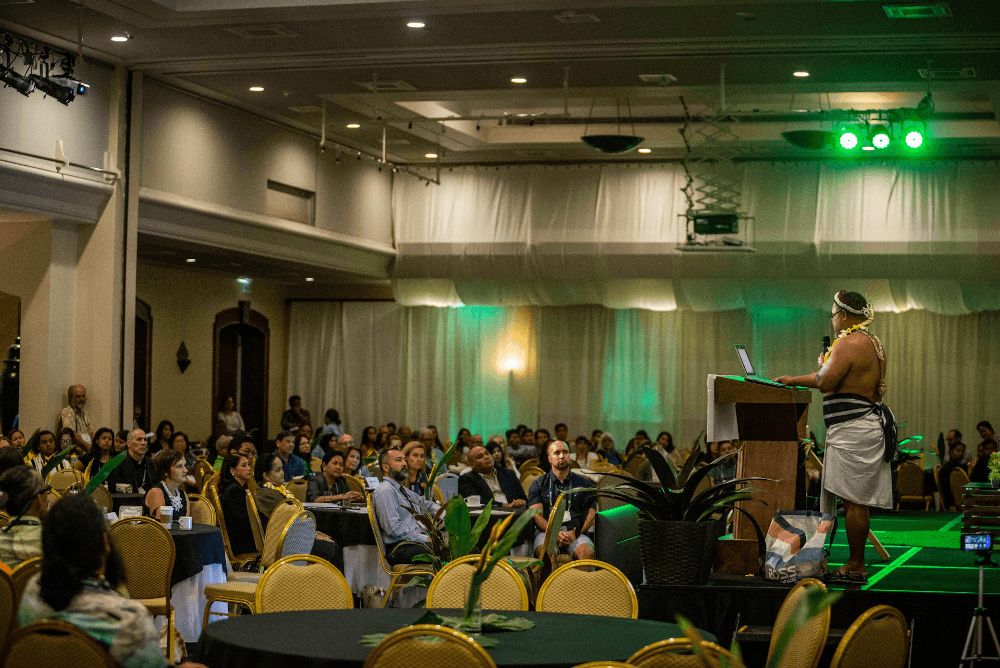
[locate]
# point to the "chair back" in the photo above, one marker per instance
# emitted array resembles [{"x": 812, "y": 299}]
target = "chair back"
[
  {"x": 315, "y": 464},
  {"x": 805, "y": 647},
  {"x": 937, "y": 477},
  {"x": 606, "y": 502},
  {"x": 7, "y": 609},
  {"x": 408, "y": 647},
  {"x": 102, "y": 497},
  {"x": 212, "y": 492},
  {"x": 552, "y": 527},
  {"x": 910, "y": 481},
  {"x": 605, "y": 591},
  {"x": 373, "y": 519},
  {"x": 679, "y": 653},
  {"x": 202, "y": 470},
  {"x": 298, "y": 488},
  {"x": 54, "y": 495},
  {"x": 317, "y": 585},
  {"x": 354, "y": 484},
  {"x": 958, "y": 479},
  {"x": 62, "y": 479},
  {"x": 255, "y": 525},
  {"x": 210, "y": 481},
  {"x": 4, "y": 518},
  {"x": 503, "y": 590},
  {"x": 298, "y": 536},
  {"x": 19, "y": 577},
  {"x": 634, "y": 467},
  {"x": 528, "y": 464},
  {"x": 148, "y": 552},
  {"x": 529, "y": 476},
  {"x": 201, "y": 510},
  {"x": 53, "y": 642},
  {"x": 280, "y": 517},
  {"x": 879, "y": 638},
  {"x": 604, "y": 467}
]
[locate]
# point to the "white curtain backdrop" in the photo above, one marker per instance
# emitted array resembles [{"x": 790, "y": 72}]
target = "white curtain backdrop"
[{"x": 488, "y": 368}]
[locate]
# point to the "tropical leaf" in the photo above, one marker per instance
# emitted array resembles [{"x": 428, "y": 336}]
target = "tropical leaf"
[
  {"x": 811, "y": 604},
  {"x": 689, "y": 463},
  {"x": 700, "y": 474},
  {"x": 98, "y": 478},
  {"x": 710, "y": 496},
  {"x": 663, "y": 470},
  {"x": 760, "y": 534},
  {"x": 440, "y": 462},
  {"x": 30, "y": 443},
  {"x": 481, "y": 523},
  {"x": 510, "y": 536},
  {"x": 55, "y": 460},
  {"x": 649, "y": 491},
  {"x": 743, "y": 495}
]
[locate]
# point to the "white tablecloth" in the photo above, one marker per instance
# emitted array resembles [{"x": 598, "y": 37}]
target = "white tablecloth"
[{"x": 188, "y": 599}]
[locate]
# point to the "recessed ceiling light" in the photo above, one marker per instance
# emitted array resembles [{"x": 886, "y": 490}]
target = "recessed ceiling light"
[
  {"x": 645, "y": 150},
  {"x": 310, "y": 279},
  {"x": 519, "y": 80},
  {"x": 353, "y": 126},
  {"x": 190, "y": 260},
  {"x": 800, "y": 73},
  {"x": 256, "y": 89},
  {"x": 430, "y": 155},
  {"x": 119, "y": 38},
  {"x": 416, "y": 24}
]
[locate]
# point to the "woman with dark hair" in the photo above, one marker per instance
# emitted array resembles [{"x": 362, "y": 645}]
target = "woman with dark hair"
[
  {"x": 352, "y": 460},
  {"x": 581, "y": 453},
  {"x": 323, "y": 446},
  {"x": 179, "y": 442},
  {"x": 271, "y": 490},
  {"x": 164, "y": 434},
  {"x": 16, "y": 437},
  {"x": 45, "y": 447},
  {"x": 665, "y": 446},
  {"x": 303, "y": 448},
  {"x": 368, "y": 448},
  {"x": 100, "y": 453},
  {"x": 498, "y": 448},
  {"x": 80, "y": 570},
  {"x": 330, "y": 486},
  {"x": 25, "y": 498},
  {"x": 437, "y": 440},
  {"x": 228, "y": 415},
  {"x": 171, "y": 472},
  {"x": 234, "y": 476}
]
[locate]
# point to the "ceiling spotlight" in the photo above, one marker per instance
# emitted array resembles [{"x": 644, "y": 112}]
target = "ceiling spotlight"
[
  {"x": 519, "y": 80},
  {"x": 190, "y": 260},
  {"x": 645, "y": 150},
  {"x": 416, "y": 24},
  {"x": 849, "y": 139},
  {"x": 800, "y": 73},
  {"x": 22, "y": 85},
  {"x": 914, "y": 139},
  {"x": 880, "y": 137},
  {"x": 430, "y": 155},
  {"x": 353, "y": 126},
  {"x": 119, "y": 38},
  {"x": 310, "y": 279},
  {"x": 256, "y": 89}
]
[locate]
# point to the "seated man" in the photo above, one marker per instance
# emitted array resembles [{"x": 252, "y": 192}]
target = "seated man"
[
  {"x": 135, "y": 475},
  {"x": 402, "y": 536},
  {"x": 581, "y": 508},
  {"x": 292, "y": 465},
  {"x": 518, "y": 451},
  {"x": 488, "y": 482},
  {"x": 956, "y": 453}
]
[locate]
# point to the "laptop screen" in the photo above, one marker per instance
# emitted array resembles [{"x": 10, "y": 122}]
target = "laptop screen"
[{"x": 745, "y": 359}]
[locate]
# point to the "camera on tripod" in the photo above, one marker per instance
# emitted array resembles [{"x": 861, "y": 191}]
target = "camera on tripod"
[{"x": 981, "y": 543}]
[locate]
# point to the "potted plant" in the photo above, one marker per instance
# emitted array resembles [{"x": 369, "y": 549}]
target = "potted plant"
[
  {"x": 677, "y": 534},
  {"x": 994, "y": 467}
]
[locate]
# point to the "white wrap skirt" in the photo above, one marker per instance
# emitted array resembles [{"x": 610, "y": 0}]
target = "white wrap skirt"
[{"x": 853, "y": 465}]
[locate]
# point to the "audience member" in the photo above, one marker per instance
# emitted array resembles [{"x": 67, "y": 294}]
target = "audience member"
[
  {"x": 581, "y": 455},
  {"x": 303, "y": 448},
  {"x": 16, "y": 439},
  {"x": 464, "y": 437},
  {"x": 179, "y": 442},
  {"x": 609, "y": 450},
  {"x": 581, "y": 507},
  {"x": 104, "y": 442},
  {"x": 221, "y": 450},
  {"x": 243, "y": 443},
  {"x": 437, "y": 440},
  {"x": 161, "y": 437},
  {"x": 228, "y": 416},
  {"x": 710, "y": 454},
  {"x": 67, "y": 439},
  {"x": 956, "y": 455},
  {"x": 332, "y": 424},
  {"x": 498, "y": 450},
  {"x": 985, "y": 430},
  {"x": 9, "y": 458},
  {"x": 955, "y": 436},
  {"x": 489, "y": 482},
  {"x": 330, "y": 486},
  {"x": 979, "y": 470},
  {"x": 415, "y": 453},
  {"x": 295, "y": 416},
  {"x": 562, "y": 432},
  {"x": 271, "y": 490},
  {"x": 528, "y": 438},
  {"x": 171, "y": 472},
  {"x": 74, "y": 416},
  {"x": 401, "y": 534},
  {"x": 4, "y": 441},
  {"x": 305, "y": 430},
  {"x": 725, "y": 471},
  {"x": 293, "y": 466},
  {"x": 121, "y": 440},
  {"x": 44, "y": 448},
  {"x": 405, "y": 434},
  {"x": 595, "y": 438},
  {"x": 234, "y": 477},
  {"x": 25, "y": 498},
  {"x": 665, "y": 446},
  {"x": 135, "y": 474},
  {"x": 352, "y": 460},
  {"x": 326, "y": 441},
  {"x": 81, "y": 570},
  {"x": 368, "y": 448},
  {"x": 519, "y": 451}
]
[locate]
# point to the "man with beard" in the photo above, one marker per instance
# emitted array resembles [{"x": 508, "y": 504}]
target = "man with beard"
[
  {"x": 402, "y": 536},
  {"x": 74, "y": 416},
  {"x": 135, "y": 475},
  {"x": 580, "y": 511}
]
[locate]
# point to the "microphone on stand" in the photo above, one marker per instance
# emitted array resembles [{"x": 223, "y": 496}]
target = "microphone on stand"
[{"x": 826, "y": 344}]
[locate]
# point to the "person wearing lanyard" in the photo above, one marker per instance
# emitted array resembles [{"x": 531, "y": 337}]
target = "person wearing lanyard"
[
  {"x": 581, "y": 510},
  {"x": 135, "y": 474}
]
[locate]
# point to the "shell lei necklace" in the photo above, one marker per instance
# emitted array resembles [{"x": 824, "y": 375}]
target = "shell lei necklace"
[{"x": 280, "y": 488}]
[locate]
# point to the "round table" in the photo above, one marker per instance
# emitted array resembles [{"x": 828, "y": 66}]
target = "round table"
[
  {"x": 331, "y": 638},
  {"x": 193, "y": 548}
]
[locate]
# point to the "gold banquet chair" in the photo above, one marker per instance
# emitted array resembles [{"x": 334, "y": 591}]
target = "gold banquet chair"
[
  {"x": 202, "y": 471},
  {"x": 529, "y": 476},
  {"x": 102, "y": 497},
  {"x": 200, "y": 510},
  {"x": 603, "y": 664},
  {"x": 805, "y": 647},
  {"x": 62, "y": 479},
  {"x": 355, "y": 484},
  {"x": 879, "y": 638},
  {"x": 605, "y": 591},
  {"x": 4, "y": 519},
  {"x": 20, "y": 575},
  {"x": 7, "y": 609},
  {"x": 318, "y": 585},
  {"x": 503, "y": 590},
  {"x": 147, "y": 549},
  {"x": 53, "y": 642},
  {"x": 237, "y": 560},
  {"x": 910, "y": 486},
  {"x": 408, "y": 647},
  {"x": 958, "y": 480},
  {"x": 400, "y": 574},
  {"x": 298, "y": 488},
  {"x": 680, "y": 653}
]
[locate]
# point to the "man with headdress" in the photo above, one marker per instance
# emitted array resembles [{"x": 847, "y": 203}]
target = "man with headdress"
[{"x": 861, "y": 432}]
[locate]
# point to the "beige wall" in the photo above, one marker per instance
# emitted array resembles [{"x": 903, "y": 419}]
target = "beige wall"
[{"x": 184, "y": 304}]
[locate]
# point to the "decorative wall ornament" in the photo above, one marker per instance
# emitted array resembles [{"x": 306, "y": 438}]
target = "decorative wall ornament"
[{"x": 182, "y": 358}]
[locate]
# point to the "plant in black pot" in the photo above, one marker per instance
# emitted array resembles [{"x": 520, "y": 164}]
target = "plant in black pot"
[{"x": 678, "y": 524}]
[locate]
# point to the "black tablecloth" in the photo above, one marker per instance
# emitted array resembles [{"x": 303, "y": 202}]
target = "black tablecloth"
[
  {"x": 119, "y": 500},
  {"x": 195, "y": 548},
  {"x": 330, "y": 638}
]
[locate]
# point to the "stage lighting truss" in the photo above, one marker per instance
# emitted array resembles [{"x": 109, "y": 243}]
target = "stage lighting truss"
[
  {"x": 881, "y": 130},
  {"x": 45, "y": 70}
]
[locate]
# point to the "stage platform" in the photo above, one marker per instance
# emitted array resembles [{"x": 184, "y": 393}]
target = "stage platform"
[{"x": 928, "y": 578}]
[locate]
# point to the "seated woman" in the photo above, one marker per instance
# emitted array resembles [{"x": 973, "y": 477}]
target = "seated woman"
[
  {"x": 416, "y": 466},
  {"x": 271, "y": 491},
  {"x": 80, "y": 570},
  {"x": 171, "y": 471},
  {"x": 330, "y": 486},
  {"x": 609, "y": 449},
  {"x": 228, "y": 416},
  {"x": 498, "y": 449},
  {"x": 164, "y": 435},
  {"x": 581, "y": 453},
  {"x": 352, "y": 461},
  {"x": 303, "y": 450},
  {"x": 104, "y": 443},
  {"x": 179, "y": 442},
  {"x": 234, "y": 476},
  {"x": 45, "y": 447},
  {"x": 25, "y": 498}
]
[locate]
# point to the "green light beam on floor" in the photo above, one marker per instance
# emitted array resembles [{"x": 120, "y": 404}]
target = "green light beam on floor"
[
  {"x": 949, "y": 525},
  {"x": 902, "y": 559}
]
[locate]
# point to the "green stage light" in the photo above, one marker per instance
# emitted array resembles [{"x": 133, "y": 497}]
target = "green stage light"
[
  {"x": 914, "y": 139},
  {"x": 849, "y": 139},
  {"x": 880, "y": 139}
]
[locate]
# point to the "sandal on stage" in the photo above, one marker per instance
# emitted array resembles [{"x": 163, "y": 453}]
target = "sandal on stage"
[
  {"x": 856, "y": 578},
  {"x": 835, "y": 576}
]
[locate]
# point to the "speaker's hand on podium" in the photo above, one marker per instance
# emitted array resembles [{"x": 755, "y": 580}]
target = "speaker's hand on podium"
[{"x": 784, "y": 380}]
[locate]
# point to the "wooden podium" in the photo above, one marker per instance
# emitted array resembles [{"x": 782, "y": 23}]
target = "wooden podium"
[{"x": 771, "y": 421}]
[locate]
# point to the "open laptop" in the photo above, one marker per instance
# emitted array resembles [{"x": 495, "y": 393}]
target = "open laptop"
[{"x": 748, "y": 372}]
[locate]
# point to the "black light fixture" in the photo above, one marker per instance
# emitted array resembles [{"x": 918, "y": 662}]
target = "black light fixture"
[
  {"x": 22, "y": 85},
  {"x": 617, "y": 143},
  {"x": 63, "y": 94},
  {"x": 814, "y": 140}
]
